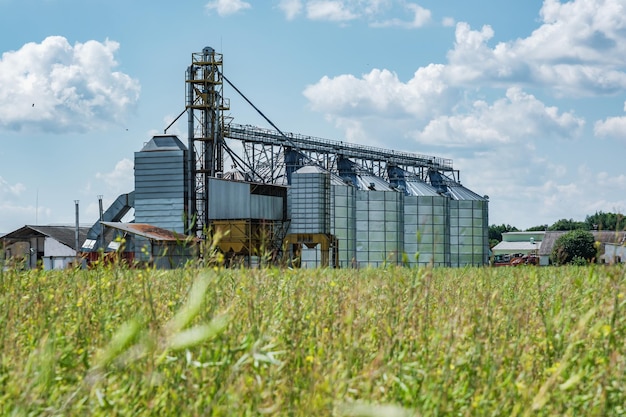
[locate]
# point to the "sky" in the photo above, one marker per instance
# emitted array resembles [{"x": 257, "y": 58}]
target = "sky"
[{"x": 527, "y": 97}]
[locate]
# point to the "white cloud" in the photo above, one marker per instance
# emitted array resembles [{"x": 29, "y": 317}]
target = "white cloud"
[
  {"x": 332, "y": 10},
  {"x": 227, "y": 7},
  {"x": 120, "y": 180},
  {"x": 614, "y": 127},
  {"x": 291, "y": 8},
  {"x": 381, "y": 93},
  {"x": 10, "y": 189},
  {"x": 421, "y": 17},
  {"x": 54, "y": 86},
  {"x": 518, "y": 117},
  {"x": 16, "y": 212},
  {"x": 580, "y": 49},
  {"x": 448, "y": 22},
  {"x": 379, "y": 13},
  {"x": 611, "y": 127}
]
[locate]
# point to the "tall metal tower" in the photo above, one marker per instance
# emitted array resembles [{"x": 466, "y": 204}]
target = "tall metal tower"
[{"x": 205, "y": 105}]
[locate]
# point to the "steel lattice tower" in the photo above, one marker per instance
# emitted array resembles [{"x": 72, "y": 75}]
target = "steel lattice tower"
[{"x": 205, "y": 111}]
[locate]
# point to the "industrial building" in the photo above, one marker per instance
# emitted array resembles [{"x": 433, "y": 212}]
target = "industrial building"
[{"x": 310, "y": 201}]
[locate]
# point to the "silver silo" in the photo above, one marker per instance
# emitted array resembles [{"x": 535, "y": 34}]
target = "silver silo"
[
  {"x": 426, "y": 225},
  {"x": 469, "y": 227},
  {"x": 379, "y": 222}
]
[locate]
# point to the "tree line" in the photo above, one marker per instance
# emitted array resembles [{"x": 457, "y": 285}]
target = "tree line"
[{"x": 597, "y": 221}]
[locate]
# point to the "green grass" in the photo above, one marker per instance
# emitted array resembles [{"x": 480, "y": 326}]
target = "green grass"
[{"x": 381, "y": 342}]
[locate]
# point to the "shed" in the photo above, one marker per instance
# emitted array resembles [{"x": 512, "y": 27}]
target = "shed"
[
  {"x": 51, "y": 247},
  {"x": 602, "y": 237},
  {"x": 167, "y": 249}
]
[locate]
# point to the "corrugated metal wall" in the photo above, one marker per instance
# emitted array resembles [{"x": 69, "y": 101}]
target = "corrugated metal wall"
[
  {"x": 310, "y": 201},
  {"x": 343, "y": 222},
  {"x": 469, "y": 232},
  {"x": 379, "y": 227},
  {"x": 160, "y": 189},
  {"x": 427, "y": 230},
  {"x": 230, "y": 200}
]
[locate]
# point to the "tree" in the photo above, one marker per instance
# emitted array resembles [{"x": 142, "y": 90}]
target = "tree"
[
  {"x": 573, "y": 246},
  {"x": 495, "y": 233},
  {"x": 570, "y": 224},
  {"x": 606, "y": 221},
  {"x": 539, "y": 228}
]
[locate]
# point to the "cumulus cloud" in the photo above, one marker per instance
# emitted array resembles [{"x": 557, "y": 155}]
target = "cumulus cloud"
[
  {"x": 332, "y": 10},
  {"x": 227, "y": 7},
  {"x": 378, "y": 13},
  {"x": 15, "y": 212},
  {"x": 517, "y": 117},
  {"x": 10, "y": 189},
  {"x": 579, "y": 49},
  {"x": 448, "y": 21},
  {"x": 614, "y": 127},
  {"x": 381, "y": 92},
  {"x": 120, "y": 179},
  {"x": 57, "y": 87},
  {"x": 421, "y": 17},
  {"x": 291, "y": 8}
]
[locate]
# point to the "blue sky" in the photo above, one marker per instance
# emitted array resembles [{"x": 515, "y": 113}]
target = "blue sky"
[{"x": 528, "y": 98}]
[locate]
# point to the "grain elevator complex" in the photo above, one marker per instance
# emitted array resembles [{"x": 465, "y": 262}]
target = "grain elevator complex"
[{"x": 311, "y": 201}]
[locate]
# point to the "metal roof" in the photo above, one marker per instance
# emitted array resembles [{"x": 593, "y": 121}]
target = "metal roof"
[
  {"x": 311, "y": 169},
  {"x": 164, "y": 143},
  {"x": 372, "y": 182},
  {"x": 148, "y": 231},
  {"x": 515, "y": 247},
  {"x": 62, "y": 233},
  {"x": 420, "y": 188},
  {"x": 459, "y": 192}
]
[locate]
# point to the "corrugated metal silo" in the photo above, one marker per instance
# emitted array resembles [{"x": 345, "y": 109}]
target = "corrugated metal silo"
[
  {"x": 426, "y": 225},
  {"x": 379, "y": 227},
  {"x": 310, "y": 201},
  {"x": 469, "y": 227},
  {"x": 160, "y": 183},
  {"x": 343, "y": 220}
]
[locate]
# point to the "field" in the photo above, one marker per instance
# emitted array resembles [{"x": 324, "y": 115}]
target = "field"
[{"x": 380, "y": 342}]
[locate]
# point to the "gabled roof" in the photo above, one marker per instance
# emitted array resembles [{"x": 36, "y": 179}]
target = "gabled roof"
[
  {"x": 549, "y": 239},
  {"x": 62, "y": 233},
  {"x": 515, "y": 247}
]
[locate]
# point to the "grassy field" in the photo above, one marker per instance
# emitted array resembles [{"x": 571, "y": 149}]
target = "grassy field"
[{"x": 382, "y": 342}]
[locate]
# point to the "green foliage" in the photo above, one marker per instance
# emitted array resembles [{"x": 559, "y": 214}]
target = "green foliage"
[
  {"x": 570, "y": 224},
  {"x": 606, "y": 221},
  {"x": 495, "y": 231},
  {"x": 539, "y": 228},
  {"x": 572, "y": 247},
  {"x": 368, "y": 342}
]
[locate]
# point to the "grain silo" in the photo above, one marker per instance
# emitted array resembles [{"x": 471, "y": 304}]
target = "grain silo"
[
  {"x": 426, "y": 220},
  {"x": 343, "y": 220},
  {"x": 309, "y": 205},
  {"x": 469, "y": 226},
  {"x": 379, "y": 222}
]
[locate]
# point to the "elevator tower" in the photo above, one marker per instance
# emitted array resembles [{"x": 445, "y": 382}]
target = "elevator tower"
[{"x": 205, "y": 112}]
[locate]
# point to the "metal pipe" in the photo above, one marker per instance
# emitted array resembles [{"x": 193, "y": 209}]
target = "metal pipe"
[{"x": 76, "y": 234}]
